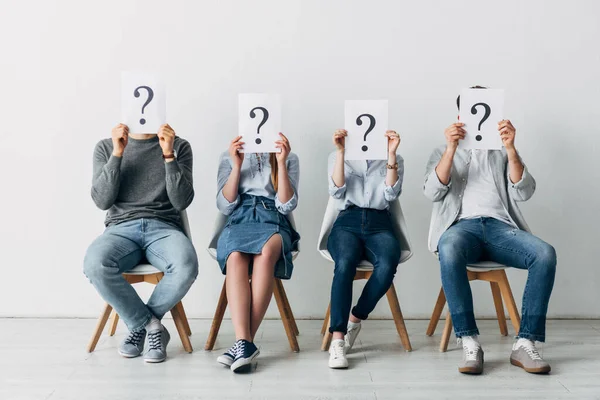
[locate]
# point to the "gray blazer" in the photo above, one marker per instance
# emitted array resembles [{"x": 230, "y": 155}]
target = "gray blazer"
[{"x": 447, "y": 199}]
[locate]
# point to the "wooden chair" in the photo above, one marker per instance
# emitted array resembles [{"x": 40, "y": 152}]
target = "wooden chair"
[
  {"x": 150, "y": 274},
  {"x": 283, "y": 304},
  {"x": 493, "y": 273},
  {"x": 365, "y": 268}
]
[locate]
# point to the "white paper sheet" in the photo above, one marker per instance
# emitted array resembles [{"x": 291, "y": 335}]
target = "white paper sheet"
[
  {"x": 482, "y": 131},
  {"x": 259, "y": 122},
  {"x": 143, "y": 101},
  {"x": 366, "y": 122}
]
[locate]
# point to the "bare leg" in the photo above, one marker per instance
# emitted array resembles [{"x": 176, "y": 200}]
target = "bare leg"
[
  {"x": 263, "y": 279},
  {"x": 238, "y": 294}
]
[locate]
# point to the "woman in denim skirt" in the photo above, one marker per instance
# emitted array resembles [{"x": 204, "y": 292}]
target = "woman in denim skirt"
[
  {"x": 363, "y": 230},
  {"x": 256, "y": 191}
]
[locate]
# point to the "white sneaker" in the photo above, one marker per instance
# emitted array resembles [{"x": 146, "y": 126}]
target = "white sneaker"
[
  {"x": 351, "y": 335},
  {"x": 337, "y": 355}
]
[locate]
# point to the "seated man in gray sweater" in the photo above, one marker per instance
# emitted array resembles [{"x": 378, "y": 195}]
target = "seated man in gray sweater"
[
  {"x": 144, "y": 181},
  {"x": 476, "y": 218}
]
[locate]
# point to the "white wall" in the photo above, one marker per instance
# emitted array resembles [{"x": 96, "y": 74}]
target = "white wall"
[{"x": 60, "y": 69}]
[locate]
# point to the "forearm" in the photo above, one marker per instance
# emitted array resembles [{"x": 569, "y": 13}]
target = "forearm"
[
  {"x": 392, "y": 173},
  {"x": 444, "y": 167},
  {"x": 106, "y": 182},
  {"x": 515, "y": 165},
  {"x": 338, "y": 170},
  {"x": 285, "y": 191},
  {"x": 230, "y": 190},
  {"x": 179, "y": 186}
]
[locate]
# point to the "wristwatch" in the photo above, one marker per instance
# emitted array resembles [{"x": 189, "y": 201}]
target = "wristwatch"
[
  {"x": 395, "y": 166},
  {"x": 168, "y": 156}
]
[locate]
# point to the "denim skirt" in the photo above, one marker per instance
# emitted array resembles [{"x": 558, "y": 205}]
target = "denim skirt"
[{"x": 250, "y": 226}]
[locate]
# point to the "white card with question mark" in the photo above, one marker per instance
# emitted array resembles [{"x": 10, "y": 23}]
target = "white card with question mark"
[
  {"x": 143, "y": 102},
  {"x": 366, "y": 122},
  {"x": 480, "y": 111},
  {"x": 259, "y": 122}
]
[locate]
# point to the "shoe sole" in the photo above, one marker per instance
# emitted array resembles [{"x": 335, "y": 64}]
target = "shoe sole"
[
  {"x": 129, "y": 355},
  {"x": 338, "y": 366},
  {"x": 245, "y": 364},
  {"x": 541, "y": 370},
  {"x": 154, "y": 360},
  {"x": 225, "y": 363},
  {"x": 470, "y": 371}
]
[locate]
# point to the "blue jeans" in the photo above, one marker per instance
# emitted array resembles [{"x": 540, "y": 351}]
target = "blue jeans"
[
  {"x": 488, "y": 239},
  {"x": 359, "y": 234},
  {"x": 123, "y": 246}
]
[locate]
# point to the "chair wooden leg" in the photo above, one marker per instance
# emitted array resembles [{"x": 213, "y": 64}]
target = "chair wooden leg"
[
  {"x": 288, "y": 309},
  {"x": 509, "y": 301},
  {"x": 112, "y": 328},
  {"x": 99, "y": 328},
  {"x": 446, "y": 334},
  {"x": 287, "y": 324},
  {"x": 499, "y": 308},
  {"x": 179, "y": 324},
  {"x": 184, "y": 318},
  {"x": 437, "y": 312},
  {"x": 398, "y": 318},
  {"x": 217, "y": 319},
  {"x": 327, "y": 336},
  {"x": 326, "y": 320}
]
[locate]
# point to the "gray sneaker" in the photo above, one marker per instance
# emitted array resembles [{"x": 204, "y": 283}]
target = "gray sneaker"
[
  {"x": 158, "y": 340},
  {"x": 526, "y": 356},
  {"x": 133, "y": 345},
  {"x": 472, "y": 361}
]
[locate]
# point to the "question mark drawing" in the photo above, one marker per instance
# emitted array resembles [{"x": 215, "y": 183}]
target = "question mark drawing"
[
  {"x": 264, "y": 119},
  {"x": 136, "y": 93},
  {"x": 371, "y": 126},
  {"x": 485, "y": 116}
]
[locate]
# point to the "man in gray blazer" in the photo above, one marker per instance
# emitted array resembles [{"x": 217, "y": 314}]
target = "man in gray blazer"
[{"x": 475, "y": 218}]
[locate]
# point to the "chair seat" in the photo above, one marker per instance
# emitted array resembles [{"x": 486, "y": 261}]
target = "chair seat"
[
  {"x": 143, "y": 269},
  {"x": 485, "y": 266}
]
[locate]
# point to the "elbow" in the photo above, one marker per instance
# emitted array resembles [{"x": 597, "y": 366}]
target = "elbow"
[
  {"x": 101, "y": 202},
  {"x": 182, "y": 205}
]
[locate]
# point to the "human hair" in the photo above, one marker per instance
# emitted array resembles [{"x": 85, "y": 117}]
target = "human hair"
[
  {"x": 274, "y": 170},
  {"x": 472, "y": 87}
]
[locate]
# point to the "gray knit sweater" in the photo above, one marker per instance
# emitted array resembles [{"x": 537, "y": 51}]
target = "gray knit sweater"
[{"x": 140, "y": 184}]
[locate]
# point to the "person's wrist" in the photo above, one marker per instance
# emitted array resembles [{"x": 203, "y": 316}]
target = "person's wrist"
[
  {"x": 117, "y": 153},
  {"x": 341, "y": 151}
]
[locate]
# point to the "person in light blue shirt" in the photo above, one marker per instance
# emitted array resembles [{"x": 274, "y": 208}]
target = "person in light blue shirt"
[
  {"x": 256, "y": 192},
  {"x": 363, "y": 230}
]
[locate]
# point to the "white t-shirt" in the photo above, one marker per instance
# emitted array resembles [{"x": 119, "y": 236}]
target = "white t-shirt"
[{"x": 481, "y": 198}]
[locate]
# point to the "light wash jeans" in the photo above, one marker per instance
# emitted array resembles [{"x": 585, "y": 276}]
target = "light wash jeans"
[
  {"x": 123, "y": 246},
  {"x": 488, "y": 239}
]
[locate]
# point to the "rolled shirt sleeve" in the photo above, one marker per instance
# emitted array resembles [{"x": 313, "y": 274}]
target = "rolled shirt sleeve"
[
  {"x": 433, "y": 189},
  {"x": 524, "y": 189},
  {"x": 391, "y": 193},
  {"x": 223, "y": 173},
  {"x": 293, "y": 168},
  {"x": 334, "y": 191}
]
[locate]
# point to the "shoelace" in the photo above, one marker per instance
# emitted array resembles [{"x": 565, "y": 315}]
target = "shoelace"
[
  {"x": 531, "y": 351},
  {"x": 135, "y": 338},
  {"x": 338, "y": 350},
  {"x": 471, "y": 351},
  {"x": 155, "y": 340},
  {"x": 232, "y": 350},
  {"x": 240, "y": 348}
]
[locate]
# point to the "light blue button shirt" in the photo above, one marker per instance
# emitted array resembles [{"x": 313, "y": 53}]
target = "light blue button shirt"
[
  {"x": 255, "y": 180},
  {"x": 365, "y": 183}
]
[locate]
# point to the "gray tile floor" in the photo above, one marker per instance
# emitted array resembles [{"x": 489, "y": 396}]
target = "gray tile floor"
[{"x": 44, "y": 359}]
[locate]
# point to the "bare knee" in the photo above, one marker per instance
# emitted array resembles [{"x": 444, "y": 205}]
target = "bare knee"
[{"x": 272, "y": 249}]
